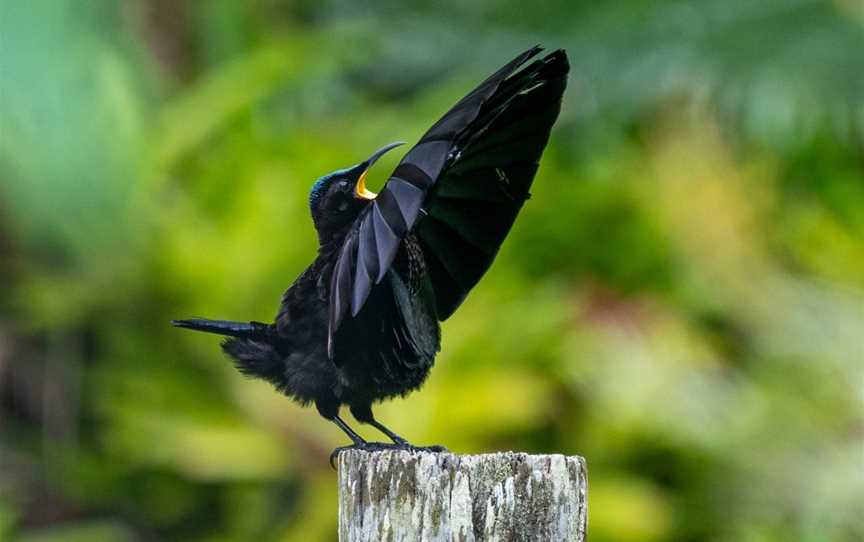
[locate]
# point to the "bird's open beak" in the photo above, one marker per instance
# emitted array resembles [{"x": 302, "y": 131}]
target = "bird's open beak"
[{"x": 360, "y": 189}]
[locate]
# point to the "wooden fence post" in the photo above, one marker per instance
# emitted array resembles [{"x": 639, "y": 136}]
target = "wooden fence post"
[{"x": 421, "y": 496}]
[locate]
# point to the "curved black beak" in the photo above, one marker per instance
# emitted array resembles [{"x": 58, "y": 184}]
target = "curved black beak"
[{"x": 360, "y": 189}]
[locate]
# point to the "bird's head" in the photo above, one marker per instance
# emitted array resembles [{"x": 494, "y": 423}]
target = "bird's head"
[{"x": 337, "y": 198}]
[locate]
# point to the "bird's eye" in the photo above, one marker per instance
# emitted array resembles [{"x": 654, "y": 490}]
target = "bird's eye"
[{"x": 343, "y": 184}]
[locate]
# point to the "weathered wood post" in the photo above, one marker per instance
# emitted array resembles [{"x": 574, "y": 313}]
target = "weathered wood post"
[{"x": 421, "y": 496}]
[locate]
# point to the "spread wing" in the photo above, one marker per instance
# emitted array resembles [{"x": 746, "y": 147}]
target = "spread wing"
[{"x": 459, "y": 189}]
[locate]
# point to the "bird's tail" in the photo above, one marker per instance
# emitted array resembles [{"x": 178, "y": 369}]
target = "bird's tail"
[
  {"x": 243, "y": 330},
  {"x": 249, "y": 347}
]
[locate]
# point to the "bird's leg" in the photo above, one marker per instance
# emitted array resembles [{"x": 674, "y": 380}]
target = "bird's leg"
[
  {"x": 359, "y": 443},
  {"x": 363, "y": 414},
  {"x": 355, "y": 438},
  {"x": 390, "y": 434}
]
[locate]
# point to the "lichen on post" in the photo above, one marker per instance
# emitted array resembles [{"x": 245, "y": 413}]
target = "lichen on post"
[{"x": 422, "y": 496}]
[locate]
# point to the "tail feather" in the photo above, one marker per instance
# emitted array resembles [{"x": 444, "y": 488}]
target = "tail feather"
[
  {"x": 243, "y": 330},
  {"x": 250, "y": 347},
  {"x": 258, "y": 359}
]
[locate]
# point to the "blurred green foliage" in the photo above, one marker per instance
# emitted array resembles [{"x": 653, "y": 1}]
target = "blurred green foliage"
[{"x": 681, "y": 302}]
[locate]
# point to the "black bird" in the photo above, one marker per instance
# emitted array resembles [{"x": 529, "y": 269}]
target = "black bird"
[{"x": 360, "y": 324}]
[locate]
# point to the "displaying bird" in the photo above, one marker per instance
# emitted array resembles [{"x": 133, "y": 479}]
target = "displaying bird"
[{"x": 361, "y": 323}]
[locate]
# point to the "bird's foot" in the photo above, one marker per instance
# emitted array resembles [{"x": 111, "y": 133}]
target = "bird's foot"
[
  {"x": 382, "y": 446},
  {"x": 403, "y": 444}
]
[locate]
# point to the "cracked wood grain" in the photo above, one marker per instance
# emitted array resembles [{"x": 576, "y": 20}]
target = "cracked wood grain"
[{"x": 421, "y": 496}]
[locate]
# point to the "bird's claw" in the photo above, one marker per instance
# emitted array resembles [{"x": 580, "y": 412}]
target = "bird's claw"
[{"x": 382, "y": 446}]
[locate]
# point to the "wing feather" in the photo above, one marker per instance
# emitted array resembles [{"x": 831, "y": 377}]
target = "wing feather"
[{"x": 459, "y": 188}]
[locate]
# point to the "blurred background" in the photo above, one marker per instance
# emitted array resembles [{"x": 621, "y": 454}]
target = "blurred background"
[{"x": 681, "y": 302}]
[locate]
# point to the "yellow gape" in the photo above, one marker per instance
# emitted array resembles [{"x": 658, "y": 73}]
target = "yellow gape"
[{"x": 361, "y": 191}]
